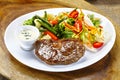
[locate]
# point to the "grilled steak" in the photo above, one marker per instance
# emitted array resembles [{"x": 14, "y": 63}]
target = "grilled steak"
[{"x": 64, "y": 51}]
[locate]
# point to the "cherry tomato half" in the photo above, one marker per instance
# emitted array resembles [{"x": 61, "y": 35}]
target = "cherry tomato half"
[{"x": 97, "y": 44}]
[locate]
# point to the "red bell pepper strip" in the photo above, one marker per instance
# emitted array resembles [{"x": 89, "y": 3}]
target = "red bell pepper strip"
[
  {"x": 97, "y": 44},
  {"x": 54, "y": 22},
  {"x": 73, "y": 14},
  {"x": 51, "y": 35}
]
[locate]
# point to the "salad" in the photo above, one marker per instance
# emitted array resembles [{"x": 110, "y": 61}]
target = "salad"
[{"x": 74, "y": 24}]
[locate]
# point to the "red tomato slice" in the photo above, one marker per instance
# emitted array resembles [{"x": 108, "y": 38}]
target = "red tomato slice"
[
  {"x": 78, "y": 25},
  {"x": 97, "y": 44}
]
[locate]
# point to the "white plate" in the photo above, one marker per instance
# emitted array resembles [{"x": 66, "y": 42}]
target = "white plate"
[{"x": 28, "y": 58}]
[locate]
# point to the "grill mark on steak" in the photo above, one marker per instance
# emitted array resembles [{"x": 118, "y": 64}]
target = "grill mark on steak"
[{"x": 64, "y": 51}]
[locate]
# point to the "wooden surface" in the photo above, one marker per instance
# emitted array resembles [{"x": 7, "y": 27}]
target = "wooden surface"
[
  {"x": 105, "y": 69},
  {"x": 109, "y": 7}
]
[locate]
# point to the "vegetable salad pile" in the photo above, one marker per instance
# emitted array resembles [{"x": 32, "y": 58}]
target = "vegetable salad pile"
[{"x": 74, "y": 24}]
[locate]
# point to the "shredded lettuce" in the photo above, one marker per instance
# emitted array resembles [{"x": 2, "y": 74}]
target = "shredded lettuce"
[
  {"x": 94, "y": 20},
  {"x": 29, "y": 22},
  {"x": 70, "y": 21},
  {"x": 88, "y": 35}
]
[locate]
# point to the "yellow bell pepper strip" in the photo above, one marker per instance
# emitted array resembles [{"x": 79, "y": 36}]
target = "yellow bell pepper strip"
[{"x": 73, "y": 28}]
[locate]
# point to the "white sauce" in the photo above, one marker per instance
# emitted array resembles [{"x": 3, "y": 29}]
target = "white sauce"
[{"x": 27, "y": 34}]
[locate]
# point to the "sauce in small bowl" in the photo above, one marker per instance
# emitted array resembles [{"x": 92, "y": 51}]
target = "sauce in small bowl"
[{"x": 26, "y": 36}]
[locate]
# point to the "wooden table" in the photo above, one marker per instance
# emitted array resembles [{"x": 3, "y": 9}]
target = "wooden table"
[
  {"x": 110, "y": 7},
  {"x": 106, "y": 69}
]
